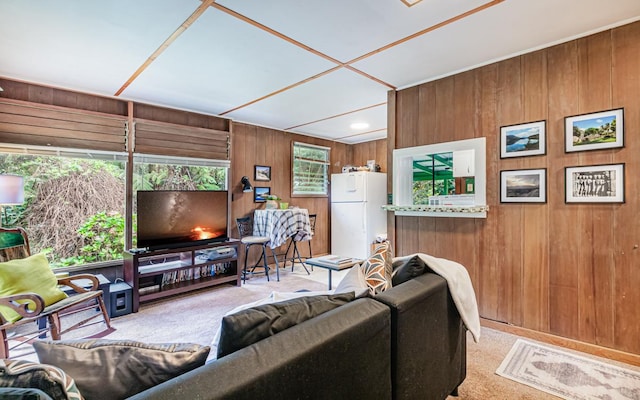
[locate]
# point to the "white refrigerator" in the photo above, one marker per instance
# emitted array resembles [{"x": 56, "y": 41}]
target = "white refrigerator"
[{"x": 357, "y": 216}]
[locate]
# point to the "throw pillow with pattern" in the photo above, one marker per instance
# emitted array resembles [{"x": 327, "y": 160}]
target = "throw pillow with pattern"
[
  {"x": 385, "y": 249},
  {"x": 378, "y": 269}
]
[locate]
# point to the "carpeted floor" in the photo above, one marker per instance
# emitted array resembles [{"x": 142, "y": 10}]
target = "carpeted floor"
[
  {"x": 194, "y": 317},
  {"x": 484, "y": 358}
]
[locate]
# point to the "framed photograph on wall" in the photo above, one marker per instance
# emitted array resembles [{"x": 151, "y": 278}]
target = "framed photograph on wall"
[
  {"x": 522, "y": 140},
  {"x": 260, "y": 194},
  {"x": 262, "y": 173},
  {"x": 595, "y": 131},
  {"x": 594, "y": 184},
  {"x": 523, "y": 186}
]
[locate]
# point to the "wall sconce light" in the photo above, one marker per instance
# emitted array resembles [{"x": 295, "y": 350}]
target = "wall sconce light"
[
  {"x": 246, "y": 185},
  {"x": 11, "y": 192}
]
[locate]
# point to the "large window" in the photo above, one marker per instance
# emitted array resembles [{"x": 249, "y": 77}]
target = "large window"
[
  {"x": 74, "y": 205},
  {"x": 310, "y": 170}
]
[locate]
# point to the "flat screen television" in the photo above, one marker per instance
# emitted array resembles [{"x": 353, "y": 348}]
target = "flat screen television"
[{"x": 178, "y": 218}]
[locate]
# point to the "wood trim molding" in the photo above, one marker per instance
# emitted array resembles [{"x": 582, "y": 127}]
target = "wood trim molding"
[{"x": 599, "y": 351}]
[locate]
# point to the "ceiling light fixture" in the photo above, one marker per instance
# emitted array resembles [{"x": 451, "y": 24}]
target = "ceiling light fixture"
[{"x": 359, "y": 125}]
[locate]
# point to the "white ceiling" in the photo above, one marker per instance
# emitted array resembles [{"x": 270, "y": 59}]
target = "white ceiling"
[{"x": 309, "y": 67}]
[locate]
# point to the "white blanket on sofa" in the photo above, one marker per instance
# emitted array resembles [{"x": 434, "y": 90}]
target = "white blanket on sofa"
[{"x": 460, "y": 287}]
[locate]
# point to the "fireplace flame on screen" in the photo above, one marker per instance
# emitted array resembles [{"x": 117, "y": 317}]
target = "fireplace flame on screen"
[{"x": 203, "y": 233}]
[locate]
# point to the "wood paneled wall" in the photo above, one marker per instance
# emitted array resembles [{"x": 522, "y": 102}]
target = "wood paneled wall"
[
  {"x": 253, "y": 145},
  {"x": 571, "y": 270},
  {"x": 373, "y": 150}
]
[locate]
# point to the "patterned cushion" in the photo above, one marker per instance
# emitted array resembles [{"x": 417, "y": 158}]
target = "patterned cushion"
[
  {"x": 378, "y": 268},
  {"x": 25, "y": 275},
  {"x": 385, "y": 249},
  {"x": 112, "y": 369},
  {"x": 47, "y": 378}
]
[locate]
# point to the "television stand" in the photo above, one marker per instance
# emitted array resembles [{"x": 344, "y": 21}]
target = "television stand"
[{"x": 155, "y": 274}]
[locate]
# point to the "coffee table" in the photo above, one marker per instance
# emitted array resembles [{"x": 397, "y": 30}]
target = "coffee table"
[{"x": 319, "y": 262}]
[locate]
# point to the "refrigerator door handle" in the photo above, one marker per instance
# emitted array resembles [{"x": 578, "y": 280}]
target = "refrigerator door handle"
[{"x": 364, "y": 217}]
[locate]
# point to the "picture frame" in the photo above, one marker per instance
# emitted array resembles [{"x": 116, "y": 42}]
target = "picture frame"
[
  {"x": 260, "y": 193},
  {"x": 523, "y": 186},
  {"x": 521, "y": 140},
  {"x": 594, "y": 131},
  {"x": 262, "y": 173},
  {"x": 595, "y": 184}
]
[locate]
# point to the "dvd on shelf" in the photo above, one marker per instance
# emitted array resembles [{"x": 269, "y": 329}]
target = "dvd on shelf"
[{"x": 188, "y": 274}]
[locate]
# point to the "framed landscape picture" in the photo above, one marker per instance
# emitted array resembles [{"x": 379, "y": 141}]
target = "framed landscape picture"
[
  {"x": 523, "y": 139},
  {"x": 262, "y": 173},
  {"x": 523, "y": 186},
  {"x": 595, "y": 131},
  {"x": 595, "y": 184},
  {"x": 260, "y": 194}
]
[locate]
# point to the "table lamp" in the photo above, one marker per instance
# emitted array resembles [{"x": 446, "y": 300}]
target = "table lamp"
[{"x": 11, "y": 192}]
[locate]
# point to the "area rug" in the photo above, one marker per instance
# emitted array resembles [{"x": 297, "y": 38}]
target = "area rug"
[{"x": 568, "y": 375}]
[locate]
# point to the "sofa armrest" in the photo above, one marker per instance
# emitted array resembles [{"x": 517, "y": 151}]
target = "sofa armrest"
[
  {"x": 317, "y": 359},
  {"x": 428, "y": 339}
]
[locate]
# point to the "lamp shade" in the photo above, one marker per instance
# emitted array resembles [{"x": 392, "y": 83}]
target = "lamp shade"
[{"x": 11, "y": 190}]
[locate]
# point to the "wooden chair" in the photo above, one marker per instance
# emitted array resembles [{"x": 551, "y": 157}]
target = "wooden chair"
[
  {"x": 295, "y": 255},
  {"x": 245, "y": 229},
  {"x": 31, "y": 307}
]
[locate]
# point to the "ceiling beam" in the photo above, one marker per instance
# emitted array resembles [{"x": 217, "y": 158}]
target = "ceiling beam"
[{"x": 186, "y": 24}]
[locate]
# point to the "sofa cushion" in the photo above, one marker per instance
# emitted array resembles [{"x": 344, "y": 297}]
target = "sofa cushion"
[
  {"x": 353, "y": 281},
  {"x": 53, "y": 381},
  {"x": 249, "y": 326},
  {"x": 406, "y": 269},
  {"x": 28, "y": 275},
  {"x": 111, "y": 369},
  {"x": 378, "y": 268}
]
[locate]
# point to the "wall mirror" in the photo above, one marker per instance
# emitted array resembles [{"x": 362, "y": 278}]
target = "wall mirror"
[{"x": 442, "y": 179}]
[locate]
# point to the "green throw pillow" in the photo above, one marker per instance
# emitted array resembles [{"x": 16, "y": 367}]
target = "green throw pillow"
[{"x": 28, "y": 275}]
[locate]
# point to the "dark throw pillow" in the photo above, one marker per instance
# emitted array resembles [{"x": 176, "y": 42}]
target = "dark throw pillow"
[
  {"x": 404, "y": 270},
  {"x": 249, "y": 326},
  {"x": 112, "y": 369}
]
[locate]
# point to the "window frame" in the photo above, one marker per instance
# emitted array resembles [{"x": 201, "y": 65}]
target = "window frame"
[{"x": 326, "y": 162}]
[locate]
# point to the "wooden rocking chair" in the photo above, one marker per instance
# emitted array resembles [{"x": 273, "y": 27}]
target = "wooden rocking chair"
[{"x": 14, "y": 244}]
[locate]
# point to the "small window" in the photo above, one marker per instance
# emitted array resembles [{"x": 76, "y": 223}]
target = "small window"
[{"x": 310, "y": 170}]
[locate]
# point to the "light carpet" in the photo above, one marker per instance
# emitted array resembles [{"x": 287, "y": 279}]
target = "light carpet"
[
  {"x": 567, "y": 375},
  {"x": 191, "y": 317}
]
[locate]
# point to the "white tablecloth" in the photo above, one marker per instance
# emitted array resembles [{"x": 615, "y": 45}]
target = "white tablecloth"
[{"x": 280, "y": 225}]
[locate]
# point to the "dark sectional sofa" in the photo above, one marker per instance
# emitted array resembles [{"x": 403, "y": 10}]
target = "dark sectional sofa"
[{"x": 405, "y": 343}]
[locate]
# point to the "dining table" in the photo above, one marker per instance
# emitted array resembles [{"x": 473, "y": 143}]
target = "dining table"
[{"x": 279, "y": 225}]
